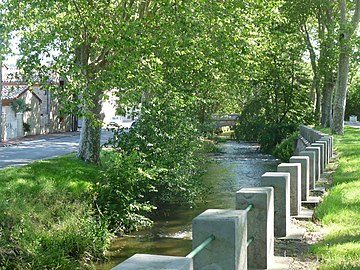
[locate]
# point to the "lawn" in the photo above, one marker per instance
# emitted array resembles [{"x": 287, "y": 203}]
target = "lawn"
[
  {"x": 340, "y": 210},
  {"x": 46, "y": 216}
]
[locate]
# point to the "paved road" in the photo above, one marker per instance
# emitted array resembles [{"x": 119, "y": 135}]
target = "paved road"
[{"x": 38, "y": 149}]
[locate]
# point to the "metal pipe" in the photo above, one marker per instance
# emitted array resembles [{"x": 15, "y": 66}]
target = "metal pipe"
[
  {"x": 200, "y": 247},
  {"x": 251, "y": 239},
  {"x": 249, "y": 207}
]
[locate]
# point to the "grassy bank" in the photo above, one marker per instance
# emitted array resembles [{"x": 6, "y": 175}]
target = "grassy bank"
[
  {"x": 46, "y": 216},
  {"x": 340, "y": 210}
]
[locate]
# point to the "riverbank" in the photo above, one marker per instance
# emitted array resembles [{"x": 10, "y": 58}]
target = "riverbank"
[
  {"x": 46, "y": 216},
  {"x": 339, "y": 212}
]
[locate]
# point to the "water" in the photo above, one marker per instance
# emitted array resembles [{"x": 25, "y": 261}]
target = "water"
[{"x": 237, "y": 165}]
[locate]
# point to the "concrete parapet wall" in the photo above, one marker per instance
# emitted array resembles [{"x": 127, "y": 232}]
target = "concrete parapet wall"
[{"x": 311, "y": 135}]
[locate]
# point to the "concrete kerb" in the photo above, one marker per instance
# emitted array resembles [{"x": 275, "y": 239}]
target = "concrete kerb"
[
  {"x": 229, "y": 249},
  {"x": 260, "y": 224},
  {"x": 281, "y": 184},
  {"x": 155, "y": 262},
  {"x": 304, "y": 161},
  {"x": 295, "y": 185}
]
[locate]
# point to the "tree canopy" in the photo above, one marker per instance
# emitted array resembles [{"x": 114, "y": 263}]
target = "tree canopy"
[{"x": 220, "y": 56}]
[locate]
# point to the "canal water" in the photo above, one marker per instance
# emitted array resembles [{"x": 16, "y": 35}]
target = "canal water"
[{"x": 236, "y": 165}]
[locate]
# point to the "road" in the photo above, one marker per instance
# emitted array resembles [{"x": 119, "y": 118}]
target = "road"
[{"x": 30, "y": 151}]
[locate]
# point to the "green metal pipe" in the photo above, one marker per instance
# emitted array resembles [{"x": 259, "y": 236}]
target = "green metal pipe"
[
  {"x": 251, "y": 239},
  {"x": 200, "y": 247},
  {"x": 249, "y": 207}
]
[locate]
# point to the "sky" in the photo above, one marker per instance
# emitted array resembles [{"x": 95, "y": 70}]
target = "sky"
[{"x": 11, "y": 58}]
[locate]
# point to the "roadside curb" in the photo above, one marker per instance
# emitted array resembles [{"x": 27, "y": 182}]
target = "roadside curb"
[{"x": 38, "y": 138}]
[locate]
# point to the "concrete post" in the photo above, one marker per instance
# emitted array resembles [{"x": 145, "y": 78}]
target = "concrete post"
[
  {"x": 325, "y": 151},
  {"x": 322, "y": 152},
  {"x": 311, "y": 155},
  {"x": 19, "y": 126},
  {"x": 155, "y": 262},
  {"x": 331, "y": 146},
  {"x": 295, "y": 185},
  {"x": 328, "y": 141},
  {"x": 228, "y": 250},
  {"x": 281, "y": 184},
  {"x": 304, "y": 161},
  {"x": 317, "y": 167},
  {"x": 260, "y": 224}
]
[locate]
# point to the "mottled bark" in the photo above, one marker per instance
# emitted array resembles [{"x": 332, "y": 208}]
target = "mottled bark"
[
  {"x": 346, "y": 33},
  {"x": 327, "y": 99},
  {"x": 315, "y": 93},
  {"x": 89, "y": 145}
]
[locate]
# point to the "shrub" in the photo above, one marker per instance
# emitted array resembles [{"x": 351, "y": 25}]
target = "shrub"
[
  {"x": 286, "y": 148},
  {"x": 157, "y": 162}
]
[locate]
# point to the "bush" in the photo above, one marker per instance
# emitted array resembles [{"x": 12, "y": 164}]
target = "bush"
[
  {"x": 157, "y": 162},
  {"x": 121, "y": 195},
  {"x": 285, "y": 150},
  {"x": 268, "y": 135}
]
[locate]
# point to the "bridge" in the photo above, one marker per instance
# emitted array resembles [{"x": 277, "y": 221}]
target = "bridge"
[
  {"x": 244, "y": 237},
  {"x": 223, "y": 120}
]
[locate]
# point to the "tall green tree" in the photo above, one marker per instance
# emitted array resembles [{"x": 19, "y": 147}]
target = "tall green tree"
[
  {"x": 348, "y": 27},
  {"x": 83, "y": 42},
  {"x": 4, "y": 49}
]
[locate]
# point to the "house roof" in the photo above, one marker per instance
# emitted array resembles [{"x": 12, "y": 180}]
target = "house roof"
[{"x": 11, "y": 92}]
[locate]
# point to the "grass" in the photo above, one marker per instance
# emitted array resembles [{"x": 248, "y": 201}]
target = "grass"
[
  {"x": 340, "y": 210},
  {"x": 46, "y": 216}
]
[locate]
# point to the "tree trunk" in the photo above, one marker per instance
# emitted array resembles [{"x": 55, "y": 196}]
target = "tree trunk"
[
  {"x": 326, "y": 104},
  {"x": 1, "y": 131},
  {"x": 347, "y": 30},
  {"x": 89, "y": 145}
]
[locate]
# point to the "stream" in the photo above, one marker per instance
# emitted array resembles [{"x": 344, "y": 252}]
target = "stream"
[{"x": 236, "y": 165}]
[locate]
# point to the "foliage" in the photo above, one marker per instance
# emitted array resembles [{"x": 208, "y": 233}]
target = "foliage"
[
  {"x": 340, "y": 210},
  {"x": 286, "y": 148},
  {"x": 353, "y": 100},
  {"x": 20, "y": 106},
  {"x": 26, "y": 127},
  {"x": 166, "y": 140},
  {"x": 121, "y": 195},
  {"x": 46, "y": 216}
]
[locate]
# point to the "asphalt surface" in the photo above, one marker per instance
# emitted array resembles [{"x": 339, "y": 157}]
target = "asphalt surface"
[{"x": 29, "y": 149}]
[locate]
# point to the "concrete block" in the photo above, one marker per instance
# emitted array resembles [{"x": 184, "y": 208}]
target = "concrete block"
[
  {"x": 312, "y": 177},
  {"x": 155, "y": 262},
  {"x": 304, "y": 161},
  {"x": 328, "y": 141},
  {"x": 322, "y": 153},
  {"x": 260, "y": 224},
  {"x": 324, "y": 143},
  {"x": 317, "y": 167},
  {"x": 229, "y": 249},
  {"x": 281, "y": 184},
  {"x": 295, "y": 185}
]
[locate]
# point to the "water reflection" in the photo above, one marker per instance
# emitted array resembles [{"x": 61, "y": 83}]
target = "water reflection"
[{"x": 237, "y": 165}]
